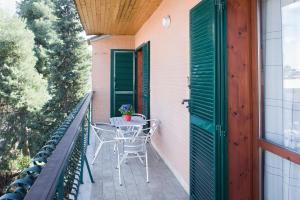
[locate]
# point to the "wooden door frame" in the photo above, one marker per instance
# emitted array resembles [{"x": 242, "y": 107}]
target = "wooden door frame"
[
  {"x": 243, "y": 100},
  {"x": 140, "y": 48},
  {"x": 257, "y": 188},
  {"x": 137, "y": 70}
]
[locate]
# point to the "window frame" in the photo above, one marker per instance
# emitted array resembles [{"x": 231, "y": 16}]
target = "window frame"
[{"x": 259, "y": 143}]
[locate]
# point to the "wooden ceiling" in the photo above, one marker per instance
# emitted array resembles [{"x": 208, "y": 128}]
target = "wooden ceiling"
[{"x": 115, "y": 17}]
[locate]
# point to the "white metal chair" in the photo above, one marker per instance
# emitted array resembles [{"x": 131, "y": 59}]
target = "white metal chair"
[
  {"x": 105, "y": 133},
  {"x": 139, "y": 115},
  {"x": 153, "y": 125},
  {"x": 134, "y": 145}
]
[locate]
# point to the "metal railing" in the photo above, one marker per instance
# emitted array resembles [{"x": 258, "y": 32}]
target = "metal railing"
[{"x": 56, "y": 171}]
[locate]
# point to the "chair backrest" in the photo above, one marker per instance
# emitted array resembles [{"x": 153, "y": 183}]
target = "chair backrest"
[
  {"x": 131, "y": 131},
  {"x": 100, "y": 129},
  {"x": 103, "y": 126},
  {"x": 154, "y": 124},
  {"x": 140, "y": 115}
]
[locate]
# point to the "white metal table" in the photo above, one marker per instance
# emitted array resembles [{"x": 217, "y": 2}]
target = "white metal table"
[{"x": 135, "y": 121}]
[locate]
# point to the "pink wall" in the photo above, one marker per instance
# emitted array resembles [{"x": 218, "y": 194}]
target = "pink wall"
[
  {"x": 169, "y": 70},
  {"x": 101, "y": 73}
]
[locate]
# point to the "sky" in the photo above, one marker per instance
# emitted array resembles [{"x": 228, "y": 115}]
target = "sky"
[{"x": 9, "y": 6}]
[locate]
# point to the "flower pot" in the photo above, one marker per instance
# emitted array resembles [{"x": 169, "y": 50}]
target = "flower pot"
[{"x": 127, "y": 117}]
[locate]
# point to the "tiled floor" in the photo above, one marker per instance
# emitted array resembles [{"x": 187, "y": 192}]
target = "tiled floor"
[{"x": 163, "y": 184}]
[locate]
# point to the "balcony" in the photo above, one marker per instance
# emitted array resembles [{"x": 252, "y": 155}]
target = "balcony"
[
  {"x": 228, "y": 107},
  {"x": 163, "y": 184},
  {"x": 62, "y": 170}
]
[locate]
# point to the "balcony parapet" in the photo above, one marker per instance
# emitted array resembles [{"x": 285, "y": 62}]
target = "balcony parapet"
[{"x": 56, "y": 171}]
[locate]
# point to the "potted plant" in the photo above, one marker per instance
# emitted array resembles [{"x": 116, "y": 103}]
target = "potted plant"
[{"x": 126, "y": 110}]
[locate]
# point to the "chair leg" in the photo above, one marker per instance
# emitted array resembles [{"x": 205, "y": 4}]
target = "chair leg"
[
  {"x": 97, "y": 152},
  {"x": 147, "y": 168},
  {"x": 115, "y": 146},
  {"x": 124, "y": 157},
  {"x": 119, "y": 167},
  {"x": 140, "y": 158}
]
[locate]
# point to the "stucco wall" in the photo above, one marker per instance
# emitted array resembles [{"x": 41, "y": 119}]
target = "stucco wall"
[
  {"x": 169, "y": 71},
  {"x": 101, "y": 73}
]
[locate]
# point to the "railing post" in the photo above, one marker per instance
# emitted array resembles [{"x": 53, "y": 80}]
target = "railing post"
[
  {"x": 89, "y": 124},
  {"x": 60, "y": 188},
  {"x": 89, "y": 169},
  {"x": 82, "y": 151}
]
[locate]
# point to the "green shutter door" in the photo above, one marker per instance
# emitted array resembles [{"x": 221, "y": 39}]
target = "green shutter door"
[
  {"x": 146, "y": 79},
  {"x": 205, "y": 103},
  {"x": 122, "y": 79}
]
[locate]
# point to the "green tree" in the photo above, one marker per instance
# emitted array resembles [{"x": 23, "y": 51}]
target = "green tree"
[
  {"x": 54, "y": 49},
  {"x": 22, "y": 90},
  {"x": 21, "y": 85},
  {"x": 69, "y": 71},
  {"x": 62, "y": 58},
  {"x": 39, "y": 18}
]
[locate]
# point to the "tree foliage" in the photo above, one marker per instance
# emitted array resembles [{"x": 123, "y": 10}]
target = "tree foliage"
[
  {"x": 70, "y": 61},
  {"x": 20, "y": 82},
  {"x": 44, "y": 70},
  {"x": 39, "y": 19},
  {"x": 22, "y": 90}
]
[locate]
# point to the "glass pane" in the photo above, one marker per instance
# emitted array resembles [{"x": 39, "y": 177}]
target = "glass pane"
[
  {"x": 281, "y": 178},
  {"x": 281, "y": 71}
]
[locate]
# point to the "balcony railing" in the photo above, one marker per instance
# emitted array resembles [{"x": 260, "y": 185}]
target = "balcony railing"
[{"x": 56, "y": 171}]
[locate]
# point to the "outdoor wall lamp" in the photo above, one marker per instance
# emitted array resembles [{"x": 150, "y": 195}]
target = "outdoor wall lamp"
[{"x": 166, "y": 21}]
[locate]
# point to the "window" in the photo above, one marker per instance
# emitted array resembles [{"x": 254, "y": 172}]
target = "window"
[
  {"x": 282, "y": 178},
  {"x": 280, "y": 35}
]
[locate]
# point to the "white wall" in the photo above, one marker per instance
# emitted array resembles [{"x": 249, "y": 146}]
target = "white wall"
[{"x": 101, "y": 73}]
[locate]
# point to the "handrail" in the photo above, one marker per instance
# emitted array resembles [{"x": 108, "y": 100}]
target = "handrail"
[
  {"x": 49, "y": 180},
  {"x": 46, "y": 183}
]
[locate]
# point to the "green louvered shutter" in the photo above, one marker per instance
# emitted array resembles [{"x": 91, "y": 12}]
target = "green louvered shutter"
[
  {"x": 122, "y": 79},
  {"x": 205, "y": 101},
  {"x": 146, "y": 79}
]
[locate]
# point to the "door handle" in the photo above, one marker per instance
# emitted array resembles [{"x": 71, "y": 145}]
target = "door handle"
[{"x": 186, "y": 101}]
